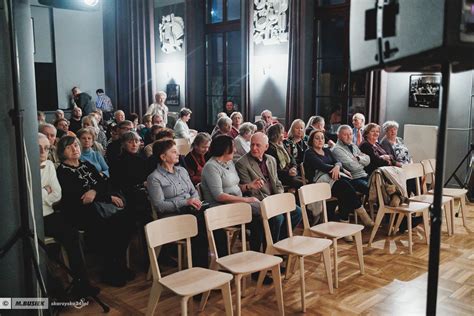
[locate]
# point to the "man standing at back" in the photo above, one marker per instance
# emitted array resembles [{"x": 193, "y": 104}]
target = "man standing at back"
[
  {"x": 82, "y": 100},
  {"x": 104, "y": 103}
]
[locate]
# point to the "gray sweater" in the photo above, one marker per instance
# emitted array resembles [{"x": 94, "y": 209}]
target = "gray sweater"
[
  {"x": 355, "y": 166},
  {"x": 217, "y": 179}
]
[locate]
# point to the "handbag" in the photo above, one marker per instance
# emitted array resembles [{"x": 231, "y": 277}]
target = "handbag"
[{"x": 106, "y": 209}]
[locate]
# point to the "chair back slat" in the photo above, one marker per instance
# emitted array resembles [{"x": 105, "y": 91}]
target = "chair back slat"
[
  {"x": 183, "y": 146},
  {"x": 312, "y": 193},
  {"x": 169, "y": 229},
  {"x": 277, "y": 204},
  {"x": 414, "y": 171},
  {"x": 378, "y": 188}
]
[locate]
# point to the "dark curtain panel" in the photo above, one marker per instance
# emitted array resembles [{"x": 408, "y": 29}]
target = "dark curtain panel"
[
  {"x": 130, "y": 71},
  {"x": 247, "y": 53},
  {"x": 299, "y": 86},
  {"x": 375, "y": 110}
]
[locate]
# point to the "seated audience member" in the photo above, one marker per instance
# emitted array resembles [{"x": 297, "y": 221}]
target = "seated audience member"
[
  {"x": 50, "y": 132},
  {"x": 318, "y": 123},
  {"x": 242, "y": 142},
  {"x": 172, "y": 193},
  {"x": 159, "y": 107},
  {"x": 147, "y": 126},
  {"x": 286, "y": 165},
  {"x": 91, "y": 121},
  {"x": 56, "y": 225},
  {"x": 219, "y": 115},
  {"x": 63, "y": 125},
  {"x": 321, "y": 166},
  {"x": 260, "y": 125},
  {"x": 134, "y": 118},
  {"x": 352, "y": 159},
  {"x": 100, "y": 121},
  {"x": 224, "y": 125},
  {"x": 119, "y": 116},
  {"x": 157, "y": 132},
  {"x": 157, "y": 119},
  {"x": 358, "y": 121},
  {"x": 75, "y": 123},
  {"x": 229, "y": 108},
  {"x": 236, "y": 118},
  {"x": 114, "y": 148},
  {"x": 394, "y": 145},
  {"x": 267, "y": 118},
  {"x": 82, "y": 100},
  {"x": 104, "y": 104},
  {"x": 58, "y": 114},
  {"x": 89, "y": 205},
  {"x": 88, "y": 153},
  {"x": 295, "y": 144},
  {"x": 196, "y": 158},
  {"x": 181, "y": 128},
  {"x": 41, "y": 117},
  {"x": 129, "y": 175},
  {"x": 259, "y": 172},
  {"x": 370, "y": 146}
]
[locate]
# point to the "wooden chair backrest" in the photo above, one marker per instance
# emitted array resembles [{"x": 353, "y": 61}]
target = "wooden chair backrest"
[
  {"x": 414, "y": 171},
  {"x": 303, "y": 174},
  {"x": 227, "y": 215},
  {"x": 274, "y": 205},
  {"x": 378, "y": 188},
  {"x": 429, "y": 166},
  {"x": 311, "y": 193},
  {"x": 166, "y": 230}
]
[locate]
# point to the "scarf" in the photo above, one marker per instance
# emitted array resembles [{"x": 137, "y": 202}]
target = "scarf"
[{"x": 282, "y": 155}]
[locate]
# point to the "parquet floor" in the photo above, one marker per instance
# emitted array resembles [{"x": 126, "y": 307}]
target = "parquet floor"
[{"x": 394, "y": 283}]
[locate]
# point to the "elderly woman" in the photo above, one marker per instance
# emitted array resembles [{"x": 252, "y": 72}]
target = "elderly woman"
[
  {"x": 286, "y": 164},
  {"x": 321, "y": 166},
  {"x": 91, "y": 121},
  {"x": 224, "y": 125},
  {"x": 295, "y": 144},
  {"x": 128, "y": 175},
  {"x": 159, "y": 107},
  {"x": 358, "y": 121},
  {"x": 394, "y": 145},
  {"x": 236, "y": 118},
  {"x": 89, "y": 205},
  {"x": 318, "y": 123},
  {"x": 242, "y": 141},
  {"x": 56, "y": 225},
  {"x": 88, "y": 153},
  {"x": 172, "y": 193},
  {"x": 370, "y": 146},
  {"x": 181, "y": 128},
  {"x": 196, "y": 158}
]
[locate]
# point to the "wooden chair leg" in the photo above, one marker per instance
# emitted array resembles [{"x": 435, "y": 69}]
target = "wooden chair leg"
[
  {"x": 451, "y": 206},
  {"x": 327, "y": 265},
  {"x": 360, "y": 254},
  {"x": 278, "y": 288},
  {"x": 399, "y": 222},
  {"x": 378, "y": 220},
  {"x": 244, "y": 286},
  {"x": 204, "y": 298},
  {"x": 302, "y": 283},
  {"x": 66, "y": 261},
  {"x": 184, "y": 305},
  {"x": 426, "y": 226},
  {"x": 155, "y": 294},
  {"x": 463, "y": 210},
  {"x": 235, "y": 235},
  {"x": 238, "y": 294},
  {"x": 261, "y": 277},
  {"x": 336, "y": 276},
  {"x": 447, "y": 215},
  {"x": 390, "y": 226},
  {"x": 229, "y": 236},
  {"x": 410, "y": 237},
  {"x": 227, "y": 297}
]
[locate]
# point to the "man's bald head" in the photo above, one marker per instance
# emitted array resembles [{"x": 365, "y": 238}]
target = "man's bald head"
[{"x": 258, "y": 145}]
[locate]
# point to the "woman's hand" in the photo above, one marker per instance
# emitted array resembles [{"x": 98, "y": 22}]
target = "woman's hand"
[
  {"x": 347, "y": 172},
  {"x": 196, "y": 203},
  {"x": 117, "y": 201},
  {"x": 335, "y": 172},
  {"x": 251, "y": 199},
  {"x": 256, "y": 184},
  {"x": 386, "y": 158},
  {"x": 48, "y": 189},
  {"x": 292, "y": 172},
  {"x": 88, "y": 197}
]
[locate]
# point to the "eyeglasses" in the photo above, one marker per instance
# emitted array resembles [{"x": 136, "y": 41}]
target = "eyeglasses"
[{"x": 45, "y": 148}]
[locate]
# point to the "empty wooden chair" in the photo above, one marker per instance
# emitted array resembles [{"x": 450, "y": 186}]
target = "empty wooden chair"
[
  {"x": 415, "y": 171},
  {"x": 429, "y": 167},
  {"x": 317, "y": 192},
  {"x": 299, "y": 246},
  {"x": 246, "y": 262},
  {"x": 414, "y": 208},
  {"x": 185, "y": 283}
]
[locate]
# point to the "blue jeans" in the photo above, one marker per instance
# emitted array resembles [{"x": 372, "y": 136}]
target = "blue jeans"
[{"x": 361, "y": 185}]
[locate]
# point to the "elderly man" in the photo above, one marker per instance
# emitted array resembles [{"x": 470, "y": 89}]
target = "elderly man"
[
  {"x": 256, "y": 165},
  {"x": 358, "y": 120},
  {"x": 159, "y": 107},
  {"x": 75, "y": 123},
  {"x": 267, "y": 117},
  {"x": 352, "y": 158},
  {"x": 224, "y": 125},
  {"x": 50, "y": 132}
]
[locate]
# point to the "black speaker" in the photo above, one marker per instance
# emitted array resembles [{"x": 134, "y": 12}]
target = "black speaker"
[{"x": 411, "y": 35}]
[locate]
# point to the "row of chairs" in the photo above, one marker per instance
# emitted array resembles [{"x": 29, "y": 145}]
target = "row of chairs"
[{"x": 193, "y": 281}]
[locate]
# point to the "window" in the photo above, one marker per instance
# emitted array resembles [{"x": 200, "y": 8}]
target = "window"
[
  {"x": 223, "y": 56},
  {"x": 338, "y": 92}
]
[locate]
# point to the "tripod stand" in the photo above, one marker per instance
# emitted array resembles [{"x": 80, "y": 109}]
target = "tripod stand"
[{"x": 454, "y": 175}]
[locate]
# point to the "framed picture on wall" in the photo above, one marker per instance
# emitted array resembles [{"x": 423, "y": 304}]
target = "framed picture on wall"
[
  {"x": 424, "y": 91},
  {"x": 172, "y": 92}
]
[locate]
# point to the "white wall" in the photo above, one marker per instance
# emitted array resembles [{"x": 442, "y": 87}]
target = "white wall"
[
  {"x": 79, "y": 52},
  {"x": 41, "y": 18}
]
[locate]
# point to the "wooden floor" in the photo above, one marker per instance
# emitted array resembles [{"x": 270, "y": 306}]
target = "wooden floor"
[{"x": 395, "y": 283}]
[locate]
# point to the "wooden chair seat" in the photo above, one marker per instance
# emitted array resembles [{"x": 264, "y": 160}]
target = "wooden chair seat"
[
  {"x": 448, "y": 207},
  {"x": 248, "y": 262},
  {"x": 302, "y": 245},
  {"x": 193, "y": 281},
  {"x": 336, "y": 229},
  {"x": 413, "y": 207},
  {"x": 452, "y": 192}
]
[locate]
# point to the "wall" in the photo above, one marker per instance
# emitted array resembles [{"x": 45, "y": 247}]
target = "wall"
[
  {"x": 79, "y": 52},
  {"x": 43, "y": 34},
  {"x": 459, "y": 112}
]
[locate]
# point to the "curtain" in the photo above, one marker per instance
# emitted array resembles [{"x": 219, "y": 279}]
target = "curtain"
[{"x": 130, "y": 73}]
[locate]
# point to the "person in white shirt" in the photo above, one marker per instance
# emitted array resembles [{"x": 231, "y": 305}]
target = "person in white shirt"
[
  {"x": 56, "y": 226},
  {"x": 181, "y": 128},
  {"x": 159, "y": 106}
]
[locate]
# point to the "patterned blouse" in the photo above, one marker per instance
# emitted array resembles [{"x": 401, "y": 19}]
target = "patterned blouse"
[{"x": 398, "y": 150}]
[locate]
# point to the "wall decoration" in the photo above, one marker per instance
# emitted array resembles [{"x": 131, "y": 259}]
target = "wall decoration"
[
  {"x": 270, "y": 22},
  {"x": 172, "y": 93},
  {"x": 171, "y": 31},
  {"x": 424, "y": 91}
]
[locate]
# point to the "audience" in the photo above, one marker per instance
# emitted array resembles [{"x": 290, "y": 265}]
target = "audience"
[
  {"x": 91, "y": 122},
  {"x": 159, "y": 107},
  {"x": 318, "y": 123},
  {"x": 50, "y": 132},
  {"x": 229, "y": 108},
  {"x": 82, "y": 100},
  {"x": 224, "y": 125},
  {"x": 147, "y": 124},
  {"x": 75, "y": 123},
  {"x": 88, "y": 153},
  {"x": 59, "y": 114},
  {"x": 181, "y": 128},
  {"x": 41, "y": 117},
  {"x": 196, "y": 158},
  {"x": 260, "y": 125},
  {"x": 394, "y": 145},
  {"x": 114, "y": 148},
  {"x": 242, "y": 141},
  {"x": 236, "y": 118},
  {"x": 321, "y": 166},
  {"x": 296, "y": 144},
  {"x": 370, "y": 146},
  {"x": 104, "y": 104},
  {"x": 358, "y": 121},
  {"x": 62, "y": 125},
  {"x": 267, "y": 118}
]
